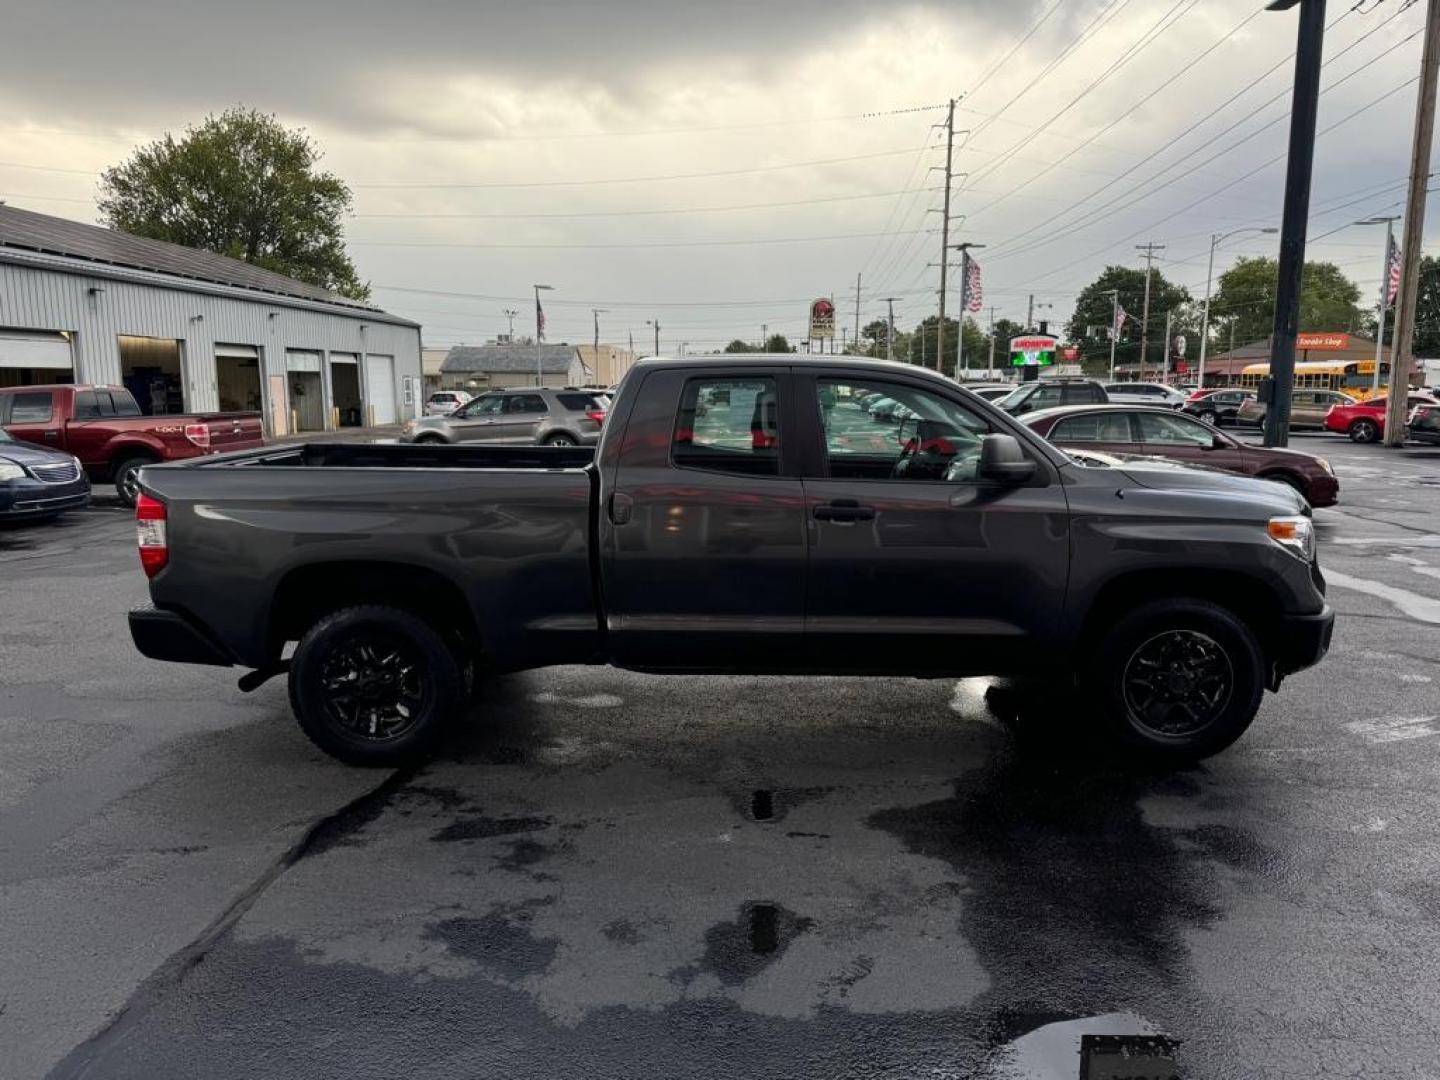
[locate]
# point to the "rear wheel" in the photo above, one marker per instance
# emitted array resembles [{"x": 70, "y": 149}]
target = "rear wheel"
[
  {"x": 1178, "y": 679},
  {"x": 429, "y": 440},
  {"x": 1210, "y": 416},
  {"x": 1364, "y": 431},
  {"x": 126, "y": 475},
  {"x": 561, "y": 439},
  {"x": 375, "y": 685}
]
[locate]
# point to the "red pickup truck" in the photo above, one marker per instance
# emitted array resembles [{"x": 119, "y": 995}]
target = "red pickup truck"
[{"x": 105, "y": 429}]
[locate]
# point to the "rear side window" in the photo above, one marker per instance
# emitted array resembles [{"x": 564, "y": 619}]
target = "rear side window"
[
  {"x": 580, "y": 402},
  {"x": 1083, "y": 394},
  {"x": 1094, "y": 427},
  {"x": 526, "y": 403},
  {"x": 728, "y": 425},
  {"x": 124, "y": 403},
  {"x": 30, "y": 409}
]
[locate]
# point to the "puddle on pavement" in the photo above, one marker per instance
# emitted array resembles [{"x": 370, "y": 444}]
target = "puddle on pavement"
[
  {"x": 1106, "y": 1047},
  {"x": 739, "y": 949},
  {"x": 762, "y": 805}
]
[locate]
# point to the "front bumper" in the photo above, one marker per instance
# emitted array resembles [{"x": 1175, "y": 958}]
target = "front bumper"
[
  {"x": 1304, "y": 640},
  {"x": 1322, "y": 490},
  {"x": 27, "y": 498},
  {"x": 168, "y": 635}
]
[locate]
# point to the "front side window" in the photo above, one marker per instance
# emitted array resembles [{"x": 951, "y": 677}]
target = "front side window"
[
  {"x": 890, "y": 431},
  {"x": 490, "y": 405},
  {"x": 30, "y": 409},
  {"x": 1173, "y": 431},
  {"x": 728, "y": 425}
]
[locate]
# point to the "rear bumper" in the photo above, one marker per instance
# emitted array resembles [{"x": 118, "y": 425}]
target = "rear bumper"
[
  {"x": 167, "y": 635},
  {"x": 1305, "y": 639}
]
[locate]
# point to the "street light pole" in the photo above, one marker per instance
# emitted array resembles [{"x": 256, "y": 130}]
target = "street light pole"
[
  {"x": 510, "y": 314},
  {"x": 539, "y": 334},
  {"x": 1304, "y": 103},
  {"x": 656, "y": 324},
  {"x": 890, "y": 331},
  {"x": 1215, "y": 240}
]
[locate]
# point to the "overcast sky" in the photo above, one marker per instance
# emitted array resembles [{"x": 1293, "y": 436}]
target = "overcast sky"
[{"x": 1088, "y": 136}]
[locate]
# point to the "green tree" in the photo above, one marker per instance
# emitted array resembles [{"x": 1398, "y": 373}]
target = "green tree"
[
  {"x": 921, "y": 342},
  {"x": 776, "y": 343},
  {"x": 242, "y": 185},
  {"x": 872, "y": 336},
  {"x": 1426, "y": 341},
  {"x": 1245, "y": 301},
  {"x": 1090, "y": 325},
  {"x": 738, "y": 346}
]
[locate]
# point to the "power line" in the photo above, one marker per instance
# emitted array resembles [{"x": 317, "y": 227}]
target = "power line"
[{"x": 636, "y": 213}]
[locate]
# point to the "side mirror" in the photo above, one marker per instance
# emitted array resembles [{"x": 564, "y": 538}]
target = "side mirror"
[
  {"x": 1002, "y": 460},
  {"x": 1219, "y": 442}
]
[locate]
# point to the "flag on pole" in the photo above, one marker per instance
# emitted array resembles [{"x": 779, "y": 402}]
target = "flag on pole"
[
  {"x": 1120, "y": 317},
  {"x": 974, "y": 298},
  {"x": 1392, "y": 283}
]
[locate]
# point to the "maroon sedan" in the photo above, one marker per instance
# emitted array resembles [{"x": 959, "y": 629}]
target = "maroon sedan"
[{"x": 1135, "y": 429}]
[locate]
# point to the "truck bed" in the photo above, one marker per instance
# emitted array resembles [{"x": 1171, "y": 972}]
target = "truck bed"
[{"x": 509, "y": 527}]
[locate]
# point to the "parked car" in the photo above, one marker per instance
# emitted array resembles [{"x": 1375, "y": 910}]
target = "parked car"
[
  {"x": 1308, "y": 408},
  {"x": 1364, "y": 421},
  {"x": 1144, "y": 393},
  {"x": 1217, "y": 407},
  {"x": 1425, "y": 423},
  {"x": 1049, "y": 393},
  {"x": 1161, "y": 605},
  {"x": 1157, "y": 432},
  {"x": 104, "y": 428},
  {"x": 516, "y": 417},
  {"x": 441, "y": 402},
  {"x": 39, "y": 483}
]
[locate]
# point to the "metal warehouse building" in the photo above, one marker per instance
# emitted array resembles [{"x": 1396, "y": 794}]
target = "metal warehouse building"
[{"x": 191, "y": 331}]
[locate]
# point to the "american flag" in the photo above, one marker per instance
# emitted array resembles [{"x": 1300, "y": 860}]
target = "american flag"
[
  {"x": 1392, "y": 284},
  {"x": 1120, "y": 317},
  {"x": 539, "y": 320},
  {"x": 974, "y": 294}
]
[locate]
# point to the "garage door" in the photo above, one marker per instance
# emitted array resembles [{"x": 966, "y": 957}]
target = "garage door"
[
  {"x": 33, "y": 357},
  {"x": 380, "y": 388}
]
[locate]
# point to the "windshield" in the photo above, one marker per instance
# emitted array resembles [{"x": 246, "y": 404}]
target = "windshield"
[
  {"x": 5, "y": 436},
  {"x": 1014, "y": 397}
]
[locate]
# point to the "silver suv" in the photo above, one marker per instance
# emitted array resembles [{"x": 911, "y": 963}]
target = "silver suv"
[{"x": 517, "y": 417}]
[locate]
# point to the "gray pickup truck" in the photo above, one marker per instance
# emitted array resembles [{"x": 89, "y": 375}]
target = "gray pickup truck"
[{"x": 744, "y": 515}]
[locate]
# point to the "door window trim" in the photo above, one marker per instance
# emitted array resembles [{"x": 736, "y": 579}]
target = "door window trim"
[{"x": 786, "y": 421}]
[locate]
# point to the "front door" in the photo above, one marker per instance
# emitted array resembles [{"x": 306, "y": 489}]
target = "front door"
[
  {"x": 477, "y": 421},
  {"x": 1181, "y": 438},
  {"x": 703, "y": 537},
  {"x": 916, "y": 564}
]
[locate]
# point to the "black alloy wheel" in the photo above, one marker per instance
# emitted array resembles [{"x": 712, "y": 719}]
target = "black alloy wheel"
[
  {"x": 1177, "y": 682},
  {"x": 375, "y": 685},
  {"x": 1177, "y": 679}
]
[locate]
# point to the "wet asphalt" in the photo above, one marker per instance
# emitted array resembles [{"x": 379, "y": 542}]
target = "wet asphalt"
[{"x": 616, "y": 875}]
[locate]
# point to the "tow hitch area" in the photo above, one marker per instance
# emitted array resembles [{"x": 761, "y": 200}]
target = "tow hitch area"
[{"x": 253, "y": 680}]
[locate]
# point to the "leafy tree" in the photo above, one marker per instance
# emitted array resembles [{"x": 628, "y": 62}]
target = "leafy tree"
[
  {"x": 776, "y": 343},
  {"x": 738, "y": 346},
  {"x": 1094, "y": 309},
  {"x": 873, "y": 334},
  {"x": 242, "y": 185},
  {"x": 1245, "y": 301},
  {"x": 1426, "y": 341}
]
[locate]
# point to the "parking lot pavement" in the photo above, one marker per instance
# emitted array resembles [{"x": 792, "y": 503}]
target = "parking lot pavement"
[{"x": 608, "y": 874}]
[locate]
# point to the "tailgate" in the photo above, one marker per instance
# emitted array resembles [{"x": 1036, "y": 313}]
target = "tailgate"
[{"x": 234, "y": 431}]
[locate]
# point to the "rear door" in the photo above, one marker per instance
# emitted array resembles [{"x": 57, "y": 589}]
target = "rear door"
[
  {"x": 703, "y": 540},
  {"x": 917, "y": 565},
  {"x": 1107, "y": 432},
  {"x": 521, "y": 419}
]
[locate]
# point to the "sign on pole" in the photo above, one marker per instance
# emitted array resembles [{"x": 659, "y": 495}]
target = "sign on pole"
[
  {"x": 822, "y": 319},
  {"x": 1032, "y": 349}
]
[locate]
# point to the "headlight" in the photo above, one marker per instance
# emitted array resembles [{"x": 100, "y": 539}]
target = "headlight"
[
  {"x": 1325, "y": 465},
  {"x": 1296, "y": 533},
  {"x": 10, "y": 472}
]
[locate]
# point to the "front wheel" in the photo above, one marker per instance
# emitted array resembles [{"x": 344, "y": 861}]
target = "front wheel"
[
  {"x": 1179, "y": 679},
  {"x": 1210, "y": 417},
  {"x": 1364, "y": 431},
  {"x": 374, "y": 685}
]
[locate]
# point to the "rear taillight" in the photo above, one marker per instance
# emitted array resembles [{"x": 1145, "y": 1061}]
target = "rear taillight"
[
  {"x": 199, "y": 434},
  {"x": 150, "y": 534},
  {"x": 598, "y": 415}
]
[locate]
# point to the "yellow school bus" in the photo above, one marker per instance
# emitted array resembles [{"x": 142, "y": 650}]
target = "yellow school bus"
[{"x": 1354, "y": 378}]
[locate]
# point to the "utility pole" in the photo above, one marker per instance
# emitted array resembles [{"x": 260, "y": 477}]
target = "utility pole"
[
  {"x": 1165, "y": 346},
  {"x": 764, "y": 335},
  {"x": 1304, "y": 102},
  {"x": 1401, "y": 358},
  {"x": 656, "y": 324},
  {"x": 1030, "y": 314},
  {"x": 964, "y": 250},
  {"x": 597, "y": 312},
  {"x": 890, "y": 333},
  {"x": 1149, "y": 250},
  {"x": 510, "y": 314},
  {"x": 990, "y": 366},
  {"x": 1114, "y": 328},
  {"x": 857, "y": 309},
  {"x": 945, "y": 233}
]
